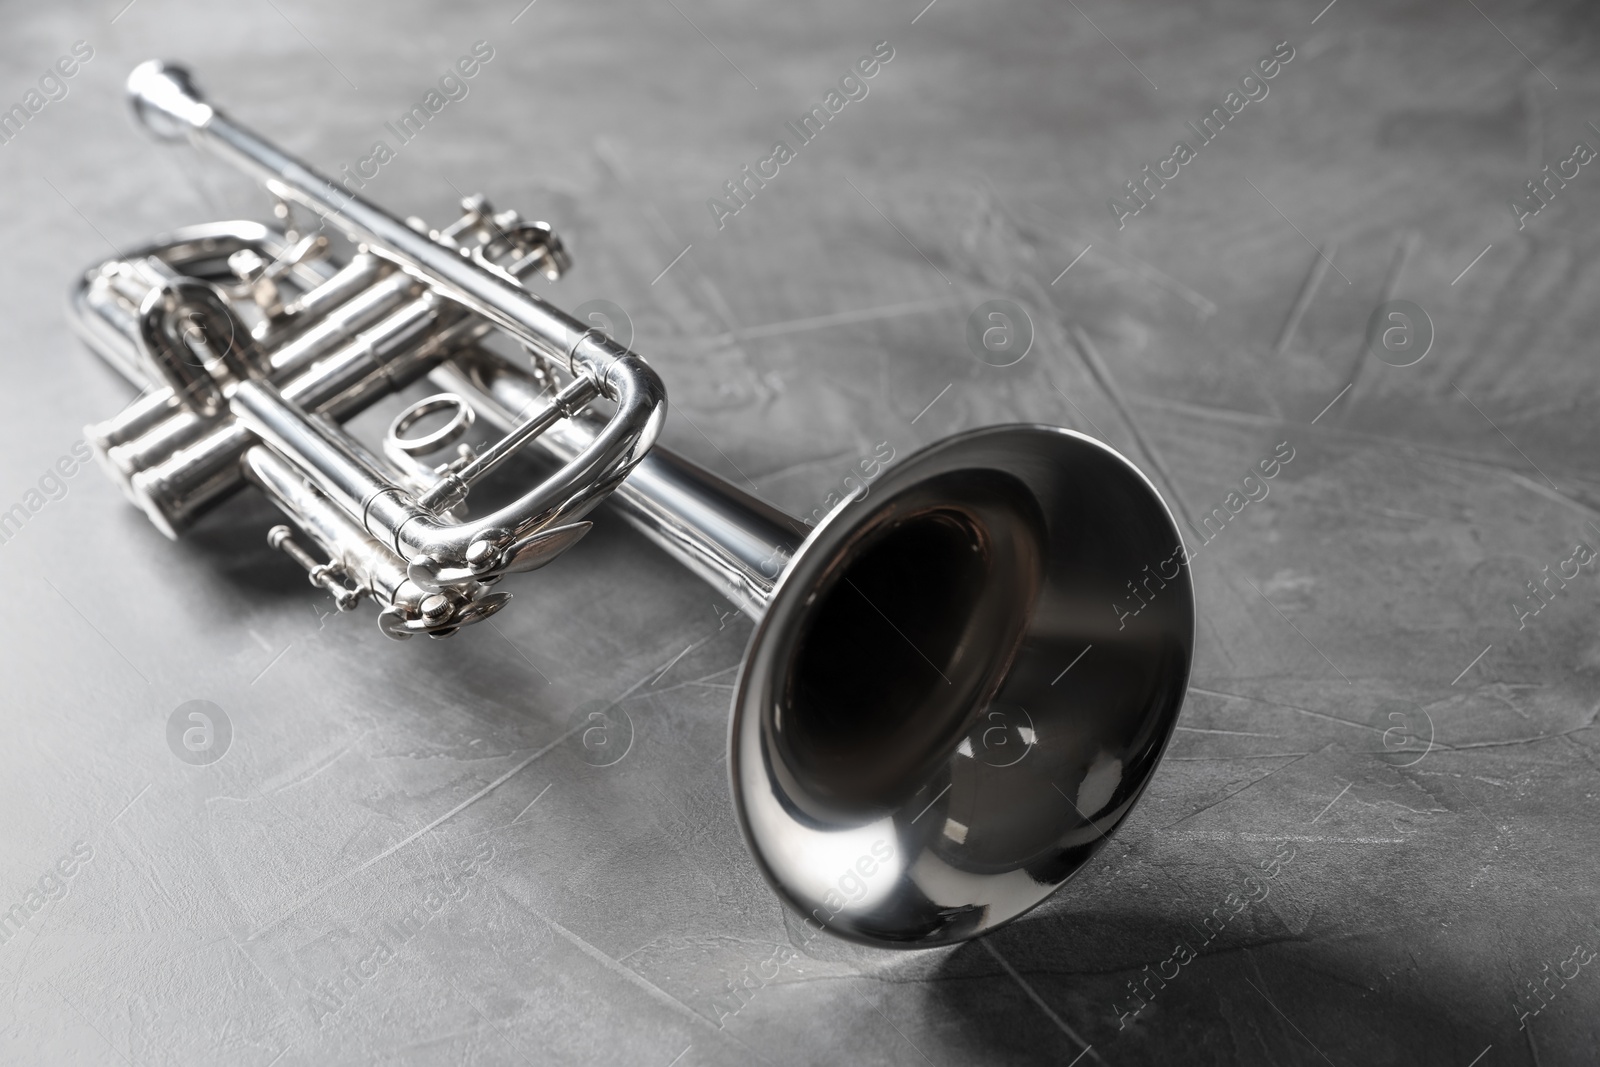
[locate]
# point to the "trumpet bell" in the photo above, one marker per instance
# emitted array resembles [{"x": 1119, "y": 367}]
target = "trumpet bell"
[{"x": 953, "y": 697}]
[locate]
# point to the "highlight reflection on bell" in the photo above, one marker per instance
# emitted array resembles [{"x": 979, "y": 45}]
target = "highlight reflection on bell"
[
  {"x": 940, "y": 715},
  {"x": 1003, "y": 736}
]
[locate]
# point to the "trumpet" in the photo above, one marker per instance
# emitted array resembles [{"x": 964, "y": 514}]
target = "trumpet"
[{"x": 935, "y": 724}]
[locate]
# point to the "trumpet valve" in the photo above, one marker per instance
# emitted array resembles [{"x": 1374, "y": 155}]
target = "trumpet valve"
[
  {"x": 535, "y": 247},
  {"x": 503, "y": 241}
]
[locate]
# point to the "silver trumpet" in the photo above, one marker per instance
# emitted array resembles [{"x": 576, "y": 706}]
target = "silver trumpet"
[{"x": 940, "y": 715}]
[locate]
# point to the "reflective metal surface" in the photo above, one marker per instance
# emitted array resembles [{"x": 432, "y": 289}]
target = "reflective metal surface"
[
  {"x": 736, "y": 542},
  {"x": 911, "y": 762},
  {"x": 935, "y": 724},
  {"x": 447, "y": 556}
]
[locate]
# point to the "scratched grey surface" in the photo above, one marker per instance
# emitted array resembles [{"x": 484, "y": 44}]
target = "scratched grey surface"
[{"x": 593, "y": 913}]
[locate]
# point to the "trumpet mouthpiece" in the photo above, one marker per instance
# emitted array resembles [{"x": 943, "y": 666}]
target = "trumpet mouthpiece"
[{"x": 165, "y": 99}]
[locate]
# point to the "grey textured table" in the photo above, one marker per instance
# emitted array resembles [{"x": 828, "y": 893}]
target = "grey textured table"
[{"x": 1398, "y": 756}]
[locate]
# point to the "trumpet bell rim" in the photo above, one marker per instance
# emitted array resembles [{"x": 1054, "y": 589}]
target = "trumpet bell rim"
[{"x": 954, "y": 696}]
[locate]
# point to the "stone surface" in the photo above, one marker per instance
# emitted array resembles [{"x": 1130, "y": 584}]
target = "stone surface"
[{"x": 1409, "y": 776}]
